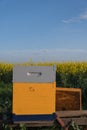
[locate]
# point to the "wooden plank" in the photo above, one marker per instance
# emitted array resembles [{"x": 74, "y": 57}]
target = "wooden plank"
[
  {"x": 34, "y": 125},
  {"x": 68, "y": 89},
  {"x": 33, "y": 122},
  {"x": 71, "y": 113},
  {"x": 37, "y": 123},
  {"x": 40, "y": 124},
  {"x": 68, "y": 99},
  {"x": 78, "y": 121}
]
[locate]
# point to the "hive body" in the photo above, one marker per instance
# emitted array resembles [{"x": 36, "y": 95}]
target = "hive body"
[{"x": 33, "y": 93}]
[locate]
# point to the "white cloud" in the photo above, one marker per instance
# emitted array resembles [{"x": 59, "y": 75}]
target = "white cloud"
[
  {"x": 83, "y": 16},
  {"x": 80, "y": 17},
  {"x": 44, "y": 55}
]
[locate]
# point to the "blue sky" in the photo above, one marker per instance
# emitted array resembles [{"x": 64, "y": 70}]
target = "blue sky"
[{"x": 43, "y": 30}]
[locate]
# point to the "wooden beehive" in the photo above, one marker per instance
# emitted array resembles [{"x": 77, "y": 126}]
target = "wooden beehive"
[
  {"x": 68, "y": 99},
  {"x": 34, "y": 89}
]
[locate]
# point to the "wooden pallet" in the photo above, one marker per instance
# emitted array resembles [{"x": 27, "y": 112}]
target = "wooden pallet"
[{"x": 79, "y": 117}]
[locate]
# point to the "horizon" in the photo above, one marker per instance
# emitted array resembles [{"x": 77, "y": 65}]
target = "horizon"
[{"x": 43, "y": 30}]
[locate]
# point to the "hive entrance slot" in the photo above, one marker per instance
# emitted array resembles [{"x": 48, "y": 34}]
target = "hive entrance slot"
[{"x": 34, "y": 73}]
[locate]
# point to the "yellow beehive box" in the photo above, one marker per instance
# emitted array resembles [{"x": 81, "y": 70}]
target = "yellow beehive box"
[{"x": 33, "y": 93}]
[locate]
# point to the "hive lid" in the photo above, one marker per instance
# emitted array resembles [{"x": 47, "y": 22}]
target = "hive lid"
[{"x": 37, "y": 74}]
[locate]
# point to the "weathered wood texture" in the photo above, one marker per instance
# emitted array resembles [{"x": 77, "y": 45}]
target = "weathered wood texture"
[
  {"x": 68, "y": 99},
  {"x": 79, "y": 116},
  {"x": 78, "y": 121},
  {"x": 78, "y": 113},
  {"x": 35, "y": 123}
]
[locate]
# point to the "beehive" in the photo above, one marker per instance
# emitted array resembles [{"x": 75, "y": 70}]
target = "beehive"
[
  {"x": 33, "y": 93},
  {"x": 68, "y": 99}
]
